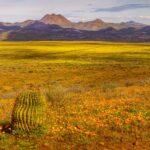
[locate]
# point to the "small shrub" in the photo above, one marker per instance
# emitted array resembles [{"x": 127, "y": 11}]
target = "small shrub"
[
  {"x": 56, "y": 95},
  {"x": 108, "y": 86}
]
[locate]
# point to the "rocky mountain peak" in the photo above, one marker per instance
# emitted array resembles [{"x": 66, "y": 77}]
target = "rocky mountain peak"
[{"x": 56, "y": 19}]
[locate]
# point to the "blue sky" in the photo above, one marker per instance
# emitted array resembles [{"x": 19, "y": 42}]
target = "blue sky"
[{"x": 77, "y": 10}]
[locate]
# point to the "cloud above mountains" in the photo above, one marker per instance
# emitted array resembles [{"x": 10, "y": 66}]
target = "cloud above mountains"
[
  {"x": 123, "y": 8},
  {"x": 76, "y": 10}
]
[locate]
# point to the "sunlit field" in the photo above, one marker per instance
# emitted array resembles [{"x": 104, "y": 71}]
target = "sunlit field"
[{"x": 97, "y": 93}]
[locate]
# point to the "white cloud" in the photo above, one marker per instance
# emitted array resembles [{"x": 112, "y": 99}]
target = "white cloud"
[
  {"x": 145, "y": 17},
  {"x": 19, "y": 10}
]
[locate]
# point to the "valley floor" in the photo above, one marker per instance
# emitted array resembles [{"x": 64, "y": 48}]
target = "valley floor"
[{"x": 99, "y": 93}]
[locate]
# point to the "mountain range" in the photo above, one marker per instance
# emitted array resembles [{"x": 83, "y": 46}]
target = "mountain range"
[{"x": 57, "y": 27}]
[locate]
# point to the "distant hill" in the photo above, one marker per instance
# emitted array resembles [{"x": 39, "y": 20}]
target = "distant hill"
[
  {"x": 57, "y": 27},
  {"x": 94, "y": 25},
  {"x": 57, "y": 20},
  {"x": 4, "y": 27}
]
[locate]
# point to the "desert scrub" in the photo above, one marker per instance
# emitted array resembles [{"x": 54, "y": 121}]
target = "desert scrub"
[
  {"x": 29, "y": 115},
  {"x": 56, "y": 95}
]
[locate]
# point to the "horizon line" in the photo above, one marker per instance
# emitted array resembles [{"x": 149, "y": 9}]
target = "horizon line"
[{"x": 68, "y": 18}]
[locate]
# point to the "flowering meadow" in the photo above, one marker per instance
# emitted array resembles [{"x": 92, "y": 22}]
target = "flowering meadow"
[{"x": 97, "y": 93}]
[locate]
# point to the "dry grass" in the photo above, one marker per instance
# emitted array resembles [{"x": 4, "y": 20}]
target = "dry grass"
[{"x": 98, "y": 93}]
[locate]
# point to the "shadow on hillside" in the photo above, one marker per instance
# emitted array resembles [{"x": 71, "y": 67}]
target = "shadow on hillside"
[
  {"x": 32, "y": 54},
  {"x": 28, "y": 54}
]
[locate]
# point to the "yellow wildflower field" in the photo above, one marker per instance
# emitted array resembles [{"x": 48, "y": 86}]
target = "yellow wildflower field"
[{"x": 97, "y": 93}]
